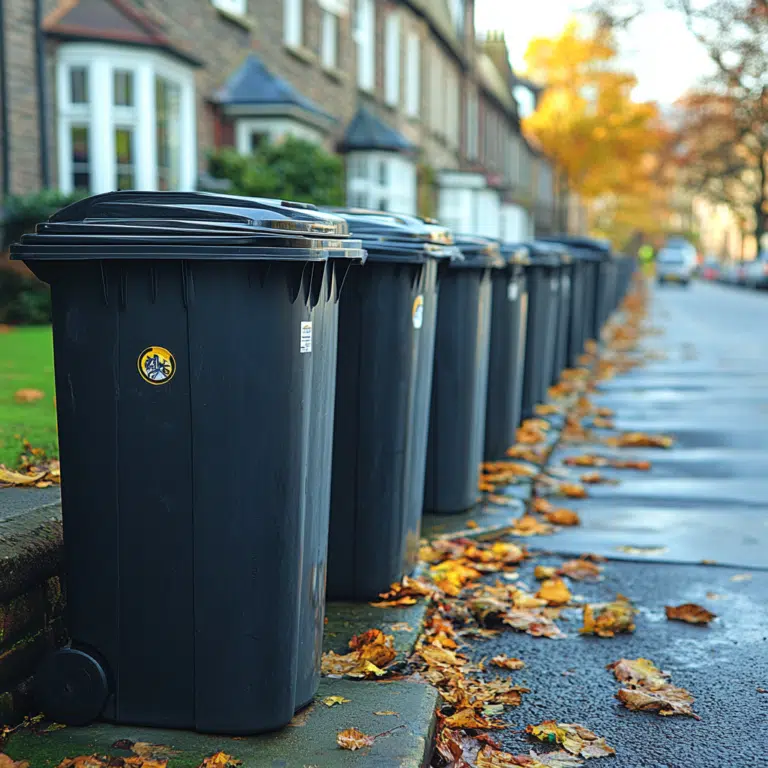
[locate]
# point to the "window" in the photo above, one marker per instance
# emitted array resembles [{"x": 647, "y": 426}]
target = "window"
[
  {"x": 436, "y": 94},
  {"x": 457, "y": 11},
  {"x": 251, "y": 131},
  {"x": 122, "y": 88},
  {"x": 78, "y": 85},
  {"x": 81, "y": 153},
  {"x": 235, "y": 7},
  {"x": 365, "y": 37},
  {"x": 126, "y": 119},
  {"x": 329, "y": 41},
  {"x": 256, "y": 138},
  {"x": 293, "y": 22},
  {"x": 413, "y": 75},
  {"x": 389, "y": 186},
  {"x": 167, "y": 96},
  {"x": 392, "y": 89},
  {"x": 452, "y": 114},
  {"x": 473, "y": 124}
]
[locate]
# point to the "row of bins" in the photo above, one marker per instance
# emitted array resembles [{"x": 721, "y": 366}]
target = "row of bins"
[{"x": 272, "y": 419}]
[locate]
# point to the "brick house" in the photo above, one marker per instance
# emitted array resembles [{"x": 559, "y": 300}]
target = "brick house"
[{"x": 111, "y": 94}]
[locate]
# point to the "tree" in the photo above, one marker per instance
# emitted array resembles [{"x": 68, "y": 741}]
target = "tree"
[
  {"x": 292, "y": 169},
  {"x": 603, "y": 142},
  {"x": 724, "y": 122}
]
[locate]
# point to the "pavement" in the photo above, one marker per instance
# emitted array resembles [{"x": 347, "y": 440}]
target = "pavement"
[{"x": 706, "y": 499}]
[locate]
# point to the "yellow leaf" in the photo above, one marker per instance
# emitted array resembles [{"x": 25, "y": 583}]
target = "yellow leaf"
[
  {"x": 387, "y": 713},
  {"x": 555, "y": 592},
  {"x": 7, "y": 762},
  {"x": 7, "y": 477},
  {"x": 507, "y": 663},
  {"x": 608, "y": 619},
  {"x": 562, "y": 517},
  {"x": 580, "y": 570},
  {"x": 353, "y": 739},
  {"x": 542, "y": 572},
  {"x": 220, "y": 760},
  {"x": 468, "y": 718},
  {"x": 575, "y": 738},
  {"x": 329, "y": 701}
]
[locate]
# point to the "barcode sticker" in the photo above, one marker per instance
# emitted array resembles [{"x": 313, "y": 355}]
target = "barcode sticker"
[{"x": 305, "y": 344}]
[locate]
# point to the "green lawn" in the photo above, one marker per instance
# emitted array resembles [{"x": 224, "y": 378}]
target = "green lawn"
[{"x": 26, "y": 361}]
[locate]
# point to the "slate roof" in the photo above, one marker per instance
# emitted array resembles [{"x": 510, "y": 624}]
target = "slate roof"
[
  {"x": 367, "y": 131},
  {"x": 253, "y": 84},
  {"x": 114, "y": 21}
]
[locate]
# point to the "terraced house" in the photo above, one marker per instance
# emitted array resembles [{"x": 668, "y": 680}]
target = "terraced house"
[{"x": 118, "y": 94}]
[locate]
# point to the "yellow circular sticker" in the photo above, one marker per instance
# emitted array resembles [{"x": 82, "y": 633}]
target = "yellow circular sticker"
[
  {"x": 417, "y": 313},
  {"x": 156, "y": 365}
]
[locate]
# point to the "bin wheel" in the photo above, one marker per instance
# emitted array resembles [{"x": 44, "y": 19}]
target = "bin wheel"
[{"x": 71, "y": 687}]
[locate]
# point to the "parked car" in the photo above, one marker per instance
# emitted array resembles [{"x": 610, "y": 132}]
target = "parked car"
[
  {"x": 676, "y": 263},
  {"x": 711, "y": 268},
  {"x": 733, "y": 273},
  {"x": 756, "y": 272}
]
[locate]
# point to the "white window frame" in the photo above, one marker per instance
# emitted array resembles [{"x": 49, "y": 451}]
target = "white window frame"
[
  {"x": 102, "y": 118},
  {"x": 293, "y": 23},
  {"x": 276, "y": 128},
  {"x": 232, "y": 7},
  {"x": 368, "y": 187},
  {"x": 473, "y": 124},
  {"x": 365, "y": 37},
  {"x": 413, "y": 75},
  {"x": 329, "y": 39},
  {"x": 393, "y": 55}
]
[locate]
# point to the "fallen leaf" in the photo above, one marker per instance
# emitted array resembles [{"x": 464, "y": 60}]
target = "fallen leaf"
[
  {"x": 608, "y": 619},
  {"x": 28, "y": 395},
  {"x": 220, "y": 760},
  {"x": 742, "y": 577},
  {"x": 641, "y": 440},
  {"x": 715, "y": 596},
  {"x": 641, "y": 465},
  {"x": 491, "y": 758},
  {"x": 501, "y": 501},
  {"x": 8, "y": 477},
  {"x": 580, "y": 570},
  {"x": 468, "y": 718},
  {"x": 668, "y": 700},
  {"x": 528, "y": 525},
  {"x": 533, "y": 622},
  {"x": 353, "y": 739},
  {"x": 593, "y": 478},
  {"x": 563, "y": 517},
  {"x": 471, "y": 524},
  {"x": 690, "y": 612},
  {"x": 573, "y": 490},
  {"x": 586, "y": 460},
  {"x": 387, "y": 713},
  {"x": 555, "y": 592},
  {"x": 574, "y": 738},
  {"x": 598, "y": 422},
  {"x": 329, "y": 701},
  {"x": 649, "y": 689},
  {"x": 546, "y": 409},
  {"x": 371, "y": 652},
  {"x": 507, "y": 662},
  {"x": 401, "y": 626},
  {"x": 543, "y": 572},
  {"x": 7, "y": 762},
  {"x": 641, "y": 551},
  {"x": 762, "y": 690}
]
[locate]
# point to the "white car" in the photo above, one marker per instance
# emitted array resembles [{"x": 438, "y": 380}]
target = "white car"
[
  {"x": 676, "y": 264},
  {"x": 756, "y": 272}
]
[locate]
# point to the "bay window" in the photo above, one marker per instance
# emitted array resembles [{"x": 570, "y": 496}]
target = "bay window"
[
  {"x": 126, "y": 119},
  {"x": 383, "y": 181}
]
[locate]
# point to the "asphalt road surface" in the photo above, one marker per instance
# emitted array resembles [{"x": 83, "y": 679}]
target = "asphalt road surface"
[{"x": 706, "y": 499}]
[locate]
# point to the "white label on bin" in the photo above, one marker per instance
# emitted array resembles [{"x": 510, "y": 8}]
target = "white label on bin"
[
  {"x": 417, "y": 313},
  {"x": 513, "y": 290},
  {"x": 553, "y": 283},
  {"x": 305, "y": 344}
]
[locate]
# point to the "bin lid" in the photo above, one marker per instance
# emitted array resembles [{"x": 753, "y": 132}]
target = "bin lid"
[
  {"x": 544, "y": 254},
  {"x": 516, "y": 253},
  {"x": 399, "y": 237},
  {"x": 582, "y": 247},
  {"x": 479, "y": 252},
  {"x": 188, "y": 226}
]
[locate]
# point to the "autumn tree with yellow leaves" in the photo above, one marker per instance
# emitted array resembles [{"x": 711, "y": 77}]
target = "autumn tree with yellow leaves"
[{"x": 607, "y": 147}]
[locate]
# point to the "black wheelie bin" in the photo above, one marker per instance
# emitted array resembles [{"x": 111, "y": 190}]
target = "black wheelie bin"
[
  {"x": 460, "y": 379},
  {"x": 509, "y": 316},
  {"x": 541, "y": 334},
  {"x": 193, "y": 342},
  {"x": 387, "y": 320}
]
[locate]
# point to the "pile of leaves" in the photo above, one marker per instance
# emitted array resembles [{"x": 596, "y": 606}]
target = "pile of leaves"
[{"x": 35, "y": 469}]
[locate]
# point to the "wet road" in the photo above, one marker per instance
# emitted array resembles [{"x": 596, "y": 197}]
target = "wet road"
[{"x": 705, "y": 499}]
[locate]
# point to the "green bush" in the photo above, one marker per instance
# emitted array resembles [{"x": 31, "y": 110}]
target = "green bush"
[
  {"x": 293, "y": 169},
  {"x": 24, "y": 300},
  {"x": 20, "y": 213}
]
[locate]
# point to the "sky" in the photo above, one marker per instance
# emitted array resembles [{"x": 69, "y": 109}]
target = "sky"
[{"x": 658, "y": 48}]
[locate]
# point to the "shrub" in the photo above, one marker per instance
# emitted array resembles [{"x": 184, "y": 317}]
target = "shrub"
[{"x": 292, "y": 169}]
